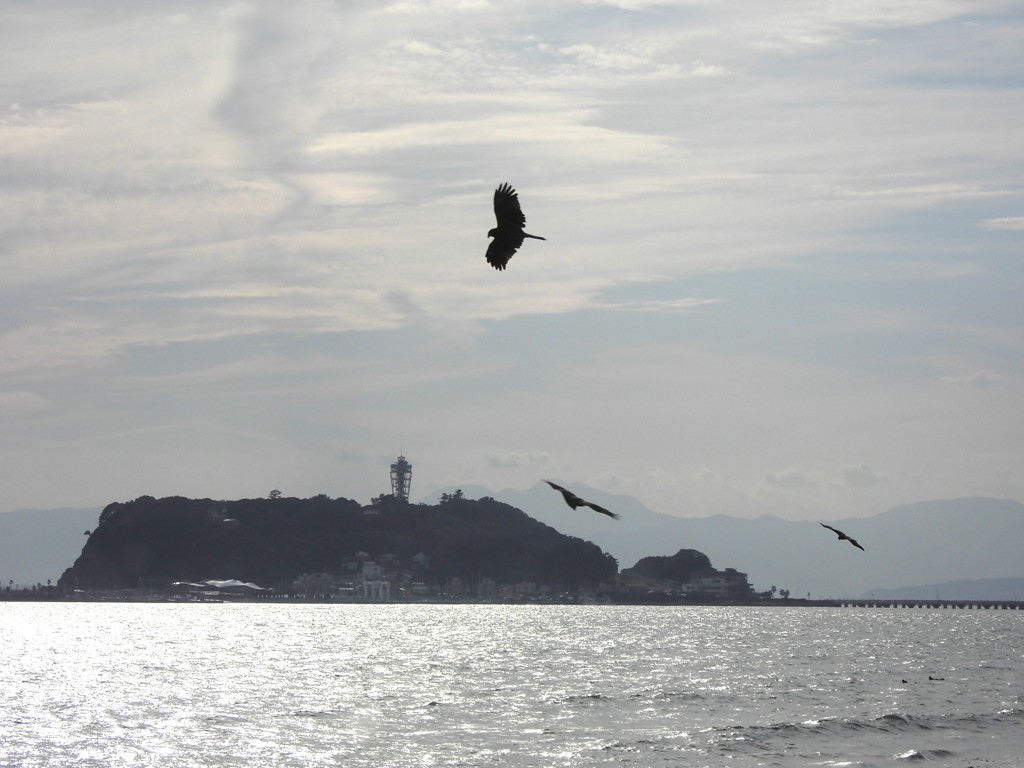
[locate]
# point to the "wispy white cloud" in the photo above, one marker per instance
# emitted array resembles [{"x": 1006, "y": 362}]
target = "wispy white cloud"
[
  {"x": 977, "y": 380},
  {"x": 567, "y": 131},
  {"x": 660, "y": 305},
  {"x": 788, "y": 478},
  {"x": 435, "y": 6},
  {"x": 261, "y": 228},
  {"x": 861, "y": 476},
  {"x": 532, "y": 459},
  {"x": 703, "y": 69},
  {"x": 1006, "y": 222},
  {"x": 926, "y": 194}
]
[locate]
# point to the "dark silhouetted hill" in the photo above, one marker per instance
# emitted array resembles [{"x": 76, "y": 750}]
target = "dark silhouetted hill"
[
  {"x": 272, "y": 541},
  {"x": 681, "y": 566}
]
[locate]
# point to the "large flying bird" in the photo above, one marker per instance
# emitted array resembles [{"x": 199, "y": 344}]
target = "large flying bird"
[
  {"x": 508, "y": 235},
  {"x": 843, "y": 537},
  {"x": 575, "y": 501}
]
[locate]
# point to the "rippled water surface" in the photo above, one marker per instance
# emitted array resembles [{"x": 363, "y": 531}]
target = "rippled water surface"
[{"x": 476, "y": 685}]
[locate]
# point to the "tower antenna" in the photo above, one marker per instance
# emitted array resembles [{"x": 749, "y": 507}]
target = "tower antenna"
[{"x": 401, "y": 478}]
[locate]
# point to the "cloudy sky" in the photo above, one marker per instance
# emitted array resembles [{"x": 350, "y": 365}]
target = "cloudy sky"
[{"x": 242, "y": 249}]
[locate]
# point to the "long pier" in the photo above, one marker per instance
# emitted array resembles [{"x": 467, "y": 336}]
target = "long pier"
[{"x": 981, "y": 605}]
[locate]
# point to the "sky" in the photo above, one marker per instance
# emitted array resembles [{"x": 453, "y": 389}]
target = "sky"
[{"x": 242, "y": 249}]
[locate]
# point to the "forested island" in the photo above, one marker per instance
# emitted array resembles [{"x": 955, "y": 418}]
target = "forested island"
[{"x": 390, "y": 550}]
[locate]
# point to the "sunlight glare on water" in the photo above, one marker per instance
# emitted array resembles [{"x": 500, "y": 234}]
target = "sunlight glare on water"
[{"x": 473, "y": 685}]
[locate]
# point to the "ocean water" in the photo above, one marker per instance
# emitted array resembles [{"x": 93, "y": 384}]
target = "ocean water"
[{"x": 119, "y": 684}]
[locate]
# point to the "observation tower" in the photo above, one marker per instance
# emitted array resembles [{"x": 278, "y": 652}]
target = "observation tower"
[{"x": 401, "y": 478}]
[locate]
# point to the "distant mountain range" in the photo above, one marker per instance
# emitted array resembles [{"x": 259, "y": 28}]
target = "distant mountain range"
[
  {"x": 978, "y": 589},
  {"x": 957, "y": 549},
  {"x": 926, "y": 545}
]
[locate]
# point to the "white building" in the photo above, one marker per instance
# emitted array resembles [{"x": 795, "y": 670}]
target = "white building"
[{"x": 374, "y": 584}]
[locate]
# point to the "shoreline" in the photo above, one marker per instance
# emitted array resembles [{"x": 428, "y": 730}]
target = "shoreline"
[{"x": 610, "y": 601}]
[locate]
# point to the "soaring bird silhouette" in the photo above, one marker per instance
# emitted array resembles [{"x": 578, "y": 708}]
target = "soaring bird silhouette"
[
  {"x": 843, "y": 537},
  {"x": 575, "y": 501},
  {"x": 508, "y": 235}
]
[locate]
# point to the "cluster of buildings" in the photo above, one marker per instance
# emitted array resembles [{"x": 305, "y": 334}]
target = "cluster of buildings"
[
  {"x": 366, "y": 580},
  {"x": 363, "y": 579},
  {"x": 721, "y": 585}
]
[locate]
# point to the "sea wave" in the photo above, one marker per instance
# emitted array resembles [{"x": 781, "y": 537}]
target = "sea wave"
[
  {"x": 925, "y": 754},
  {"x": 888, "y": 723},
  {"x": 663, "y": 696}
]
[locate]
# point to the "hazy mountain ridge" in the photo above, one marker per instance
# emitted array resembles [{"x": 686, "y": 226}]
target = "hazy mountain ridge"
[
  {"x": 925, "y": 543},
  {"x": 932, "y": 545},
  {"x": 978, "y": 589}
]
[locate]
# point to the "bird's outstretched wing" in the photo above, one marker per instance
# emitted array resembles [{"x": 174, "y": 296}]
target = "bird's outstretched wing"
[
  {"x": 602, "y": 510},
  {"x": 501, "y": 250},
  {"x": 575, "y": 501},
  {"x": 557, "y": 487},
  {"x": 842, "y": 536},
  {"x": 506, "y": 208}
]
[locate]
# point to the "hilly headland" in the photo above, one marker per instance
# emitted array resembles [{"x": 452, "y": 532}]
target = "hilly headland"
[
  {"x": 954, "y": 549},
  {"x": 391, "y": 549}
]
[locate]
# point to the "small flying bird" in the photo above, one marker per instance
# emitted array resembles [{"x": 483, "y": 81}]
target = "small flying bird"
[
  {"x": 575, "y": 501},
  {"x": 508, "y": 235},
  {"x": 843, "y": 537}
]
